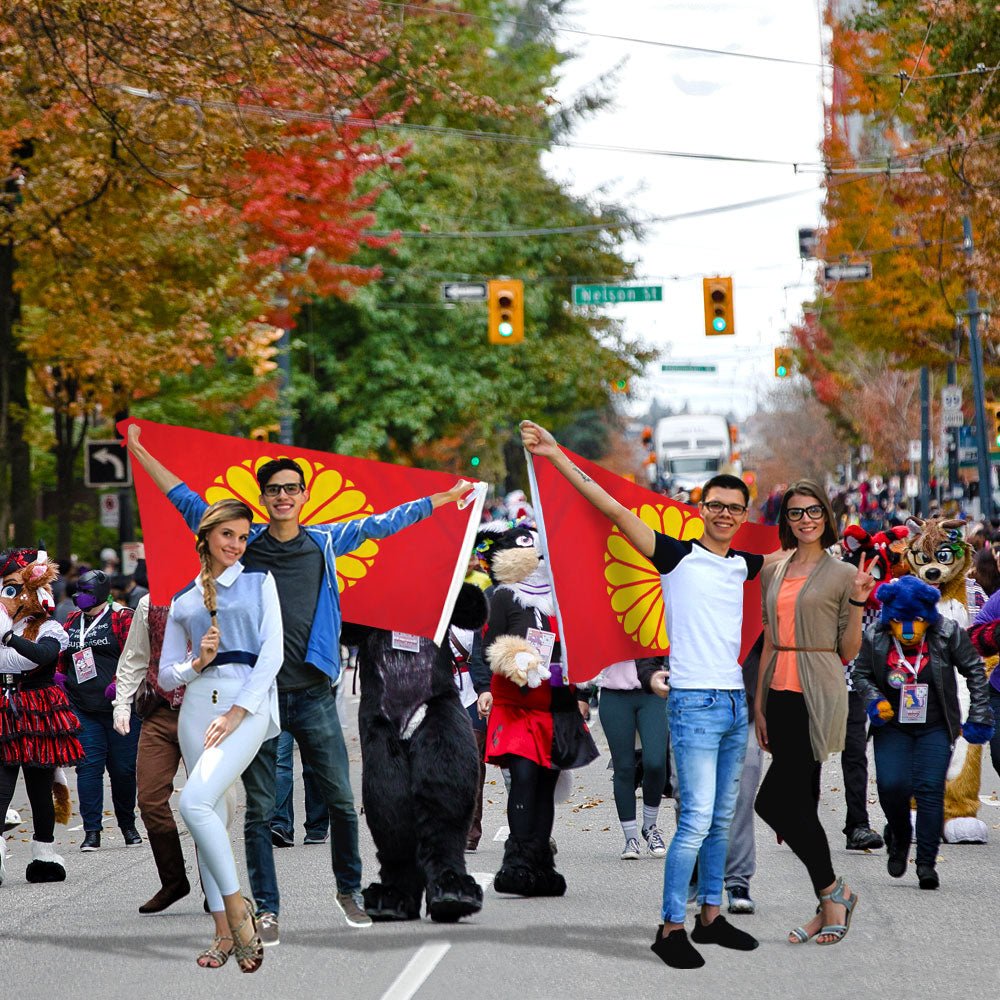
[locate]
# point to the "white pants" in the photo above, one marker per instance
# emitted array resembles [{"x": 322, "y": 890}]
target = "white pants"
[{"x": 203, "y": 801}]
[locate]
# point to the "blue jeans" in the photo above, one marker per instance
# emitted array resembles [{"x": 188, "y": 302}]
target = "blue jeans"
[
  {"x": 911, "y": 764},
  {"x": 708, "y": 734},
  {"x": 311, "y": 718},
  {"x": 317, "y": 815},
  {"x": 106, "y": 749}
]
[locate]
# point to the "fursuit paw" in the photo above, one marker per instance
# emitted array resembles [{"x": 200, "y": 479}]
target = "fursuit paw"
[
  {"x": 515, "y": 658},
  {"x": 453, "y": 896},
  {"x": 386, "y": 902},
  {"x": 977, "y": 732},
  {"x": 879, "y": 711}
]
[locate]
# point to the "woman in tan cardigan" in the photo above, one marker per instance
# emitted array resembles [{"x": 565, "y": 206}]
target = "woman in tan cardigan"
[{"x": 812, "y": 605}]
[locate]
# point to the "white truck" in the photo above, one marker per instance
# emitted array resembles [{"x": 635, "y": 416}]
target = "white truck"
[{"x": 691, "y": 448}]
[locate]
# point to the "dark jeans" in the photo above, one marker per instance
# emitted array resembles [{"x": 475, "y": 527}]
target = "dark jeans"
[
  {"x": 995, "y": 742},
  {"x": 788, "y": 800},
  {"x": 854, "y": 762},
  {"x": 106, "y": 749},
  {"x": 623, "y": 714},
  {"x": 311, "y": 717},
  {"x": 317, "y": 815},
  {"x": 913, "y": 765}
]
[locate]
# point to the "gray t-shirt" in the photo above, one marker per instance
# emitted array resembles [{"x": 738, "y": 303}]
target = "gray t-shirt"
[{"x": 297, "y": 568}]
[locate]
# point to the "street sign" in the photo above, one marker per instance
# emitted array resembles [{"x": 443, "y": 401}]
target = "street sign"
[
  {"x": 867, "y": 453},
  {"x": 968, "y": 451},
  {"x": 911, "y": 487},
  {"x": 132, "y": 552},
  {"x": 951, "y": 397},
  {"x": 599, "y": 295},
  {"x": 106, "y": 464},
  {"x": 848, "y": 272},
  {"x": 914, "y": 453},
  {"x": 463, "y": 291},
  {"x": 952, "y": 418},
  {"x": 110, "y": 510},
  {"x": 688, "y": 368}
]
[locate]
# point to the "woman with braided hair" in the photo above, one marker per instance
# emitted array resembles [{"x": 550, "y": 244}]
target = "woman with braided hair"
[{"x": 224, "y": 642}]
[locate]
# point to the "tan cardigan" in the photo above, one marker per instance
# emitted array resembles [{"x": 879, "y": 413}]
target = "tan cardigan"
[{"x": 821, "y": 613}]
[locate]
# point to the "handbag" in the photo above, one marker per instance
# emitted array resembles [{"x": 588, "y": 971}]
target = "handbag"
[{"x": 146, "y": 699}]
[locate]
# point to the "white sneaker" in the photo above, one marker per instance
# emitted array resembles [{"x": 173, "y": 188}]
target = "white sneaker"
[{"x": 632, "y": 850}]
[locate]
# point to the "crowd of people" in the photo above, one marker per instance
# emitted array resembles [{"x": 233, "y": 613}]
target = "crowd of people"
[{"x": 246, "y": 662}]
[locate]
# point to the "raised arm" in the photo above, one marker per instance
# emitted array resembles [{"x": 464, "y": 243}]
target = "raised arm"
[
  {"x": 541, "y": 443},
  {"x": 160, "y": 475}
]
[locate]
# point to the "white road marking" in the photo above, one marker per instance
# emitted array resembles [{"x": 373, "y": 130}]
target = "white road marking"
[
  {"x": 416, "y": 971},
  {"x": 989, "y": 800},
  {"x": 484, "y": 879},
  {"x": 502, "y": 834},
  {"x": 73, "y": 829}
]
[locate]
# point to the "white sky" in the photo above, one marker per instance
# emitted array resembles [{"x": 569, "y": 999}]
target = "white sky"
[{"x": 666, "y": 99}]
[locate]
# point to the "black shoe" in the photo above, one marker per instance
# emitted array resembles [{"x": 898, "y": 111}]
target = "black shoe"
[
  {"x": 131, "y": 837},
  {"x": 864, "y": 838},
  {"x": 278, "y": 839},
  {"x": 928, "y": 876},
  {"x": 676, "y": 950},
  {"x": 896, "y": 862},
  {"x": 721, "y": 932},
  {"x": 91, "y": 841}
]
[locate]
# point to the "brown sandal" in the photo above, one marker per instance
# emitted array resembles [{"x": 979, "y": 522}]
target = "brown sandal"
[
  {"x": 252, "y": 952},
  {"x": 214, "y": 957}
]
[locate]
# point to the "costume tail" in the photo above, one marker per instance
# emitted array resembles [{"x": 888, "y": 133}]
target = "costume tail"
[{"x": 60, "y": 796}]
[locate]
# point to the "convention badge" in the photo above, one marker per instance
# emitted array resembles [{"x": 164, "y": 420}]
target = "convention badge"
[
  {"x": 544, "y": 643},
  {"x": 897, "y": 678},
  {"x": 913, "y": 702},
  {"x": 84, "y": 665},
  {"x": 405, "y": 642}
]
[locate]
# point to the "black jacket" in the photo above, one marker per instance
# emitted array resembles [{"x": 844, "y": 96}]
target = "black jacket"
[{"x": 950, "y": 649}]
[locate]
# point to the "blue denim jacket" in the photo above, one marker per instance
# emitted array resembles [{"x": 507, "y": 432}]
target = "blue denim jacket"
[{"x": 335, "y": 540}]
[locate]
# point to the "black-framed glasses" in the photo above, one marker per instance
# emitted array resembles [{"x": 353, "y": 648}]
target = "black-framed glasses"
[
  {"x": 292, "y": 489},
  {"x": 814, "y": 512},
  {"x": 717, "y": 507}
]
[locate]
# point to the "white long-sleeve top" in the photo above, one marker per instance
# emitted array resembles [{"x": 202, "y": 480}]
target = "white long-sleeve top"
[{"x": 251, "y": 645}]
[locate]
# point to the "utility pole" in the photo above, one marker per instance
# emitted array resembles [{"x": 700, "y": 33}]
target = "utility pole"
[
  {"x": 978, "y": 381},
  {"x": 953, "y": 482}
]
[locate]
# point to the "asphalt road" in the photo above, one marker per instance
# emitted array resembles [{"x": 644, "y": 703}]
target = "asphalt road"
[{"x": 85, "y": 937}]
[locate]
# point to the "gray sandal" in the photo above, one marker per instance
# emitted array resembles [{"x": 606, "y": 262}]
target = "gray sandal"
[
  {"x": 838, "y": 931},
  {"x": 801, "y": 935}
]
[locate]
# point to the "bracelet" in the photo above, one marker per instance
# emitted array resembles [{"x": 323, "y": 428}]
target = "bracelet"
[
  {"x": 857, "y": 604},
  {"x": 7, "y": 636}
]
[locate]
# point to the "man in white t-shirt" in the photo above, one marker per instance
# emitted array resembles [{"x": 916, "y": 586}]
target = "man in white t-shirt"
[{"x": 703, "y": 599}]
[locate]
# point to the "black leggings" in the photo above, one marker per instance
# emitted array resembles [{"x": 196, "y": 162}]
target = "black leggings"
[
  {"x": 38, "y": 782},
  {"x": 531, "y": 809},
  {"x": 788, "y": 800}
]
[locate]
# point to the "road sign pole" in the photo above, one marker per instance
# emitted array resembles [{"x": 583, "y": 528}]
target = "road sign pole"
[
  {"x": 952, "y": 438},
  {"x": 925, "y": 441},
  {"x": 978, "y": 387}
]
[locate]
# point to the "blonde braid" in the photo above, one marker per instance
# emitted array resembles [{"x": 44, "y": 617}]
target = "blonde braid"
[
  {"x": 207, "y": 580},
  {"x": 219, "y": 512}
]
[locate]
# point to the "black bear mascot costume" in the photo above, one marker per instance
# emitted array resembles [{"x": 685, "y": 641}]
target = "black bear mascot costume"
[{"x": 420, "y": 769}]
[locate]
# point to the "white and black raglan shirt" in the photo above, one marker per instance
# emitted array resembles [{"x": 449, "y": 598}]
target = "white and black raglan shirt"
[{"x": 703, "y": 604}]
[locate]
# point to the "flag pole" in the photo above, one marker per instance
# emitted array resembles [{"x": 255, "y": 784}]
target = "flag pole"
[{"x": 461, "y": 565}]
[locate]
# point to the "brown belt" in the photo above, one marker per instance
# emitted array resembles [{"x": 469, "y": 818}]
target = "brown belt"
[{"x": 802, "y": 649}]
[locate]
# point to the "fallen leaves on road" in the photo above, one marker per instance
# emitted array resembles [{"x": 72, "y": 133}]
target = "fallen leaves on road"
[{"x": 589, "y": 804}]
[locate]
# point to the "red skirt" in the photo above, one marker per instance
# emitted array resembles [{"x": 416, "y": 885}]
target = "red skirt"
[
  {"x": 520, "y": 723},
  {"x": 38, "y": 728}
]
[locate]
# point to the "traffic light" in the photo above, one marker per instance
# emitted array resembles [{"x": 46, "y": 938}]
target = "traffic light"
[
  {"x": 264, "y": 433},
  {"x": 782, "y": 362},
  {"x": 718, "y": 293},
  {"x": 620, "y": 385},
  {"x": 474, "y": 461},
  {"x": 992, "y": 424},
  {"x": 506, "y": 309}
]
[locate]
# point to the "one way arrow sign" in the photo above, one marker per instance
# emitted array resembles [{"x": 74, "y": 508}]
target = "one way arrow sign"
[{"x": 106, "y": 464}]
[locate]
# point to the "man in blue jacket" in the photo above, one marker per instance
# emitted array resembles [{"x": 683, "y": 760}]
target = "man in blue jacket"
[{"x": 302, "y": 560}]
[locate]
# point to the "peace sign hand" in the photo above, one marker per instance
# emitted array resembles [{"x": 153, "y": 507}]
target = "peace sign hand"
[{"x": 864, "y": 582}]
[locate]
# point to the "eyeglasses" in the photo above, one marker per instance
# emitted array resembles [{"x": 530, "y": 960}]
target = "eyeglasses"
[
  {"x": 814, "y": 512},
  {"x": 717, "y": 507},
  {"x": 292, "y": 489}
]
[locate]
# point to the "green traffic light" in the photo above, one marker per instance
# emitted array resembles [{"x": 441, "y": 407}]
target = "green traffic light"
[
  {"x": 719, "y": 324},
  {"x": 505, "y": 329},
  {"x": 781, "y": 371},
  {"x": 474, "y": 461}
]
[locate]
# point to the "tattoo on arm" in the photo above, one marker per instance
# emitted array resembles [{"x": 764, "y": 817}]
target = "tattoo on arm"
[{"x": 583, "y": 475}]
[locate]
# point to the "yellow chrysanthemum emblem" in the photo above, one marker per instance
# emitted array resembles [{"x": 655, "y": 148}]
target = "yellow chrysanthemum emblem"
[
  {"x": 332, "y": 498},
  {"x": 634, "y": 584}
]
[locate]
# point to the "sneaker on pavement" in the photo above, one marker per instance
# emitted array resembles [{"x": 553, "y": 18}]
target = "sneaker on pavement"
[
  {"x": 352, "y": 906},
  {"x": 267, "y": 928},
  {"x": 91, "y": 841},
  {"x": 316, "y": 838},
  {"x": 864, "y": 838},
  {"x": 3, "y": 859},
  {"x": 632, "y": 850},
  {"x": 279, "y": 839},
  {"x": 740, "y": 901},
  {"x": 654, "y": 841},
  {"x": 132, "y": 837}
]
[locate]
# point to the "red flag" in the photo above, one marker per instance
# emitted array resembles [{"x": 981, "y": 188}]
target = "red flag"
[
  {"x": 608, "y": 595},
  {"x": 407, "y": 582}
]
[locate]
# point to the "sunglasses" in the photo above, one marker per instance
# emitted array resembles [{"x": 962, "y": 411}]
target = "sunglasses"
[
  {"x": 717, "y": 507},
  {"x": 814, "y": 512},
  {"x": 275, "y": 489}
]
